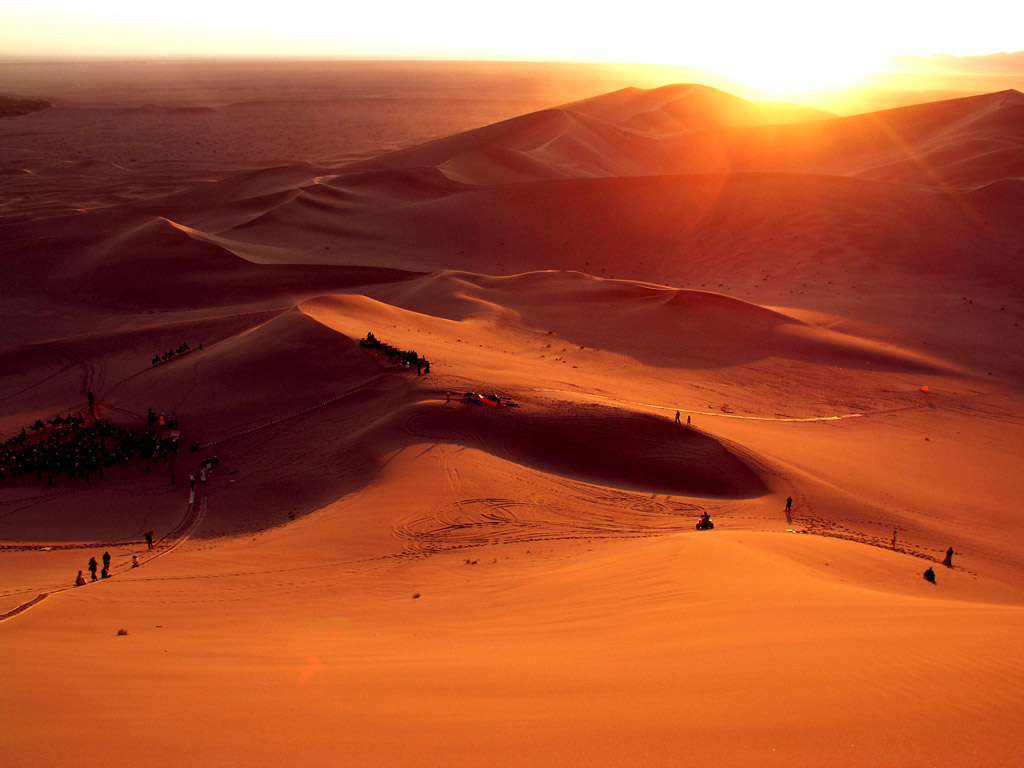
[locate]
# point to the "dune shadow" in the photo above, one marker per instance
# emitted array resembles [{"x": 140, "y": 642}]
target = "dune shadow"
[{"x": 598, "y": 445}]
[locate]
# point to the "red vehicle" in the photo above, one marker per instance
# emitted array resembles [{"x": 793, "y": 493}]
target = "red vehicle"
[{"x": 494, "y": 401}]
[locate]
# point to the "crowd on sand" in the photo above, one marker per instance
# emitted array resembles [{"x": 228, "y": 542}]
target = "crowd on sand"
[
  {"x": 72, "y": 446},
  {"x": 407, "y": 358},
  {"x": 181, "y": 349}
]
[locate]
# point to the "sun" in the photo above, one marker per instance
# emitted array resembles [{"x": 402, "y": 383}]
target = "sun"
[
  {"x": 787, "y": 76},
  {"x": 795, "y": 71},
  {"x": 771, "y": 60}
]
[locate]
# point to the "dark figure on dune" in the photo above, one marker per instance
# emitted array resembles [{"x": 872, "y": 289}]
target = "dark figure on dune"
[
  {"x": 106, "y": 561},
  {"x": 948, "y": 560},
  {"x": 93, "y": 565},
  {"x": 789, "y": 504},
  {"x": 678, "y": 419},
  {"x": 80, "y": 581},
  {"x": 149, "y": 539},
  {"x": 929, "y": 575}
]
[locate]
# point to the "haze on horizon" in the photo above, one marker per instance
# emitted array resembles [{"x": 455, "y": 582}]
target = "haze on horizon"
[{"x": 783, "y": 46}]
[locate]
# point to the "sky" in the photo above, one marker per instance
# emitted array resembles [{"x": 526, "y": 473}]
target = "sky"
[{"x": 794, "y": 41}]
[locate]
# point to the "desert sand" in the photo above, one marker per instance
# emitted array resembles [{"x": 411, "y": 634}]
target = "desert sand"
[{"x": 377, "y": 572}]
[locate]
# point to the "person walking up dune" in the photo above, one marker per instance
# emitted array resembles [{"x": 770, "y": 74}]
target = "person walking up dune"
[
  {"x": 93, "y": 565},
  {"x": 948, "y": 560}
]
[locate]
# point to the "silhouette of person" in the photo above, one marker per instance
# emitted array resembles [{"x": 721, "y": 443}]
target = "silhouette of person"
[
  {"x": 92, "y": 403},
  {"x": 106, "y": 560},
  {"x": 149, "y": 539},
  {"x": 948, "y": 561},
  {"x": 105, "y": 574},
  {"x": 688, "y": 422},
  {"x": 80, "y": 581},
  {"x": 895, "y": 535},
  {"x": 929, "y": 575},
  {"x": 135, "y": 561},
  {"x": 789, "y": 504},
  {"x": 678, "y": 420},
  {"x": 93, "y": 565}
]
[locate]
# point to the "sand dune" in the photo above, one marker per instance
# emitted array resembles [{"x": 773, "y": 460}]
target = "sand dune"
[
  {"x": 685, "y": 107},
  {"x": 378, "y": 569}
]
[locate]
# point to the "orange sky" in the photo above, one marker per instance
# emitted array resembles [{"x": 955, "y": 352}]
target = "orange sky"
[{"x": 786, "y": 45}]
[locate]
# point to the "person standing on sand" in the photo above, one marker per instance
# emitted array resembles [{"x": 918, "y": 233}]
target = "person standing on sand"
[
  {"x": 948, "y": 561},
  {"x": 106, "y": 561},
  {"x": 895, "y": 536},
  {"x": 789, "y": 505},
  {"x": 688, "y": 422},
  {"x": 149, "y": 539},
  {"x": 93, "y": 565},
  {"x": 678, "y": 420}
]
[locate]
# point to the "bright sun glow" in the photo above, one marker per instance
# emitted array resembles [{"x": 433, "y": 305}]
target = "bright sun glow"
[
  {"x": 790, "y": 76},
  {"x": 777, "y": 48}
]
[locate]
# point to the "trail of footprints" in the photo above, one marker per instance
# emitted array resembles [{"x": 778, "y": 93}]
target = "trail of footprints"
[{"x": 488, "y": 521}]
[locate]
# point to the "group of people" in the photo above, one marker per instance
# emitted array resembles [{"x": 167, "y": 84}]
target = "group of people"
[
  {"x": 929, "y": 574},
  {"x": 947, "y": 561},
  {"x": 398, "y": 356},
  {"x": 69, "y": 446},
  {"x": 181, "y": 349},
  {"x": 160, "y": 420},
  {"x": 205, "y": 468},
  {"x": 93, "y": 566}
]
